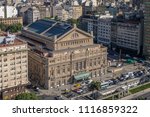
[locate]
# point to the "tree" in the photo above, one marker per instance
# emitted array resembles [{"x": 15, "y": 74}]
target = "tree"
[
  {"x": 3, "y": 27},
  {"x": 12, "y": 28},
  {"x": 95, "y": 85},
  {"x": 26, "y": 96},
  {"x": 73, "y": 21}
]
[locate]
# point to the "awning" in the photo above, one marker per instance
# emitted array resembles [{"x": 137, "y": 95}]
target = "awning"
[{"x": 82, "y": 76}]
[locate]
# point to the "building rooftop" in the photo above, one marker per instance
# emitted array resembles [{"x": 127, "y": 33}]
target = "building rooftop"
[
  {"x": 9, "y": 40},
  {"x": 49, "y": 28}
]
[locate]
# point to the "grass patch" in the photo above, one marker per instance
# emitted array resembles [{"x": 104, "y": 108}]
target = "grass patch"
[
  {"x": 109, "y": 98},
  {"x": 140, "y": 88}
]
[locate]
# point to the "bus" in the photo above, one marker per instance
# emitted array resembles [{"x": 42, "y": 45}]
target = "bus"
[{"x": 104, "y": 85}]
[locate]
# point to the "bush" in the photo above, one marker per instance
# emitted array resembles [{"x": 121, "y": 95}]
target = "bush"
[
  {"x": 26, "y": 96},
  {"x": 12, "y": 28}
]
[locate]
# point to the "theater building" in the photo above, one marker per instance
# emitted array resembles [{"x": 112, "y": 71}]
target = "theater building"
[{"x": 61, "y": 53}]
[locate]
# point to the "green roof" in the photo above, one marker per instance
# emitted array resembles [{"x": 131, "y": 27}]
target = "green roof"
[{"x": 82, "y": 76}]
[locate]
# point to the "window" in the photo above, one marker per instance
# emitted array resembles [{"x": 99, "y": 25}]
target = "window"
[
  {"x": 63, "y": 70},
  {"x": 5, "y": 59},
  {"x": 58, "y": 70}
]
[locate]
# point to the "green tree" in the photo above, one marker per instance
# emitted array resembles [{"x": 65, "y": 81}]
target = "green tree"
[
  {"x": 26, "y": 96},
  {"x": 95, "y": 85},
  {"x": 12, "y": 28},
  {"x": 3, "y": 27},
  {"x": 73, "y": 21}
]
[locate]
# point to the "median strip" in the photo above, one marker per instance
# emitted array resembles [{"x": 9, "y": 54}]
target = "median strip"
[{"x": 140, "y": 88}]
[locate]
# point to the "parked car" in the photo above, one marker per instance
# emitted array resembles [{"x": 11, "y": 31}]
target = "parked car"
[
  {"x": 58, "y": 98},
  {"x": 115, "y": 81},
  {"x": 88, "y": 81},
  {"x": 79, "y": 91},
  {"x": 110, "y": 82}
]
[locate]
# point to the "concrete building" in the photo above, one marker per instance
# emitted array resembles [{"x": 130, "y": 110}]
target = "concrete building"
[
  {"x": 146, "y": 50},
  {"x": 13, "y": 66},
  {"x": 127, "y": 35},
  {"x": 32, "y": 14},
  {"x": 10, "y": 21},
  {"x": 90, "y": 24},
  {"x": 11, "y": 2},
  {"x": 8, "y": 11},
  {"x": 44, "y": 11},
  {"x": 77, "y": 11},
  {"x": 104, "y": 29},
  {"x": 61, "y": 54}
]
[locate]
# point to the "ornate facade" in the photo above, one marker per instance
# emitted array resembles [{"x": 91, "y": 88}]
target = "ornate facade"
[{"x": 64, "y": 57}]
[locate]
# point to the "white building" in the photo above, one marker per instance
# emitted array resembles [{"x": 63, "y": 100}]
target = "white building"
[
  {"x": 33, "y": 14},
  {"x": 11, "y": 11},
  {"x": 13, "y": 66},
  {"x": 129, "y": 35},
  {"x": 104, "y": 29}
]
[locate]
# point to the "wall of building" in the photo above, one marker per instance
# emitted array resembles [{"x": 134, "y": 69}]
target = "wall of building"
[
  {"x": 10, "y": 21},
  {"x": 13, "y": 67}
]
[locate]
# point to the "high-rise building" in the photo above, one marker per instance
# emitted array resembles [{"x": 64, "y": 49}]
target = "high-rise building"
[
  {"x": 146, "y": 50},
  {"x": 13, "y": 66}
]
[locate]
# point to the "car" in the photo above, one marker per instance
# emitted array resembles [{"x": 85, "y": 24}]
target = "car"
[
  {"x": 77, "y": 85},
  {"x": 79, "y": 91},
  {"x": 35, "y": 88},
  {"x": 83, "y": 83},
  {"x": 30, "y": 86},
  {"x": 88, "y": 81},
  {"x": 58, "y": 98},
  {"x": 70, "y": 95},
  {"x": 115, "y": 81},
  {"x": 110, "y": 82}
]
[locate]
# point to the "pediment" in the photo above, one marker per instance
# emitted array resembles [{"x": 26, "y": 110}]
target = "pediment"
[{"x": 74, "y": 34}]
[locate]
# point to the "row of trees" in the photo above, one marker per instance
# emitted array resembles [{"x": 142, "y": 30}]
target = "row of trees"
[
  {"x": 11, "y": 28},
  {"x": 26, "y": 96}
]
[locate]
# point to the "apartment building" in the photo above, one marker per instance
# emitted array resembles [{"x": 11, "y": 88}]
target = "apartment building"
[
  {"x": 13, "y": 66},
  {"x": 127, "y": 35},
  {"x": 10, "y": 21},
  {"x": 32, "y": 14},
  {"x": 90, "y": 24},
  {"x": 104, "y": 29},
  {"x": 76, "y": 11},
  {"x": 61, "y": 54}
]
